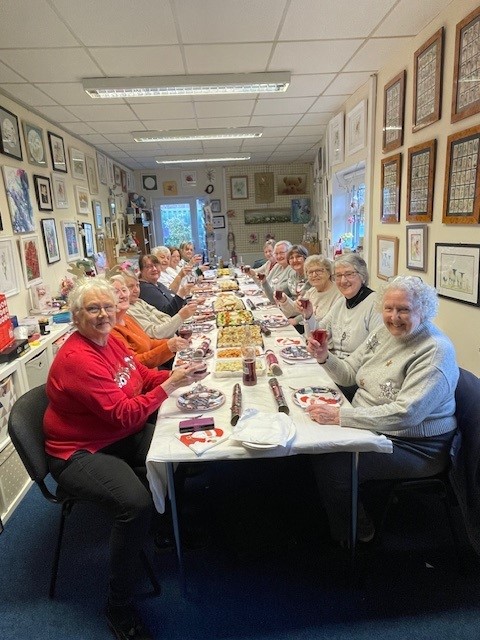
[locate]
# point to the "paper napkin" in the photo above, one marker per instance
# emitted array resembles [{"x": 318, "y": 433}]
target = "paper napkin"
[
  {"x": 200, "y": 441},
  {"x": 263, "y": 428}
]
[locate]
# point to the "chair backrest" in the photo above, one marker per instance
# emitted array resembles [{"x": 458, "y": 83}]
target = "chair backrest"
[
  {"x": 466, "y": 398},
  {"x": 25, "y": 427}
]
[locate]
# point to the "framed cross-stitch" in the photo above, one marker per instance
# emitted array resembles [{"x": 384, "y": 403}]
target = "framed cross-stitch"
[
  {"x": 50, "y": 239},
  {"x": 461, "y": 198},
  {"x": 457, "y": 271},
  {"x": 34, "y": 144},
  {"x": 18, "y": 196},
  {"x": 427, "y": 82},
  {"x": 43, "y": 193},
  {"x": 82, "y": 200},
  {"x": 420, "y": 181},
  {"x": 390, "y": 188},
  {"x": 91, "y": 174},
  {"x": 218, "y": 222},
  {"x": 466, "y": 70},
  {"x": 10, "y": 144},
  {"x": 336, "y": 139},
  {"x": 88, "y": 245},
  {"x": 97, "y": 213},
  {"x": 102, "y": 168},
  {"x": 216, "y": 206},
  {"x": 387, "y": 257},
  {"x": 417, "y": 247},
  {"x": 393, "y": 112},
  {"x": 70, "y": 239},
  {"x": 57, "y": 152},
  {"x": 239, "y": 187},
  {"x": 59, "y": 188},
  {"x": 77, "y": 163}
]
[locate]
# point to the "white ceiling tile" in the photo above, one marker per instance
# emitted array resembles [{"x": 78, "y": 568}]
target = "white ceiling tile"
[
  {"x": 313, "y": 57},
  {"x": 7, "y": 75},
  {"x": 285, "y": 120},
  {"x": 139, "y": 61},
  {"x": 375, "y": 51},
  {"x": 224, "y": 109},
  {"x": 101, "y": 112},
  {"x": 28, "y": 94},
  {"x": 166, "y": 110},
  {"x": 206, "y": 123},
  {"x": 275, "y": 132},
  {"x": 283, "y": 105},
  {"x": 69, "y": 93},
  {"x": 119, "y": 137},
  {"x": 313, "y": 130},
  {"x": 112, "y": 126},
  {"x": 328, "y": 103},
  {"x": 154, "y": 125},
  {"x": 219, "y": 146},
  {"x": 316, "y": 118},
  {"x": 313, "y": 84},
  {"x": 94, "y": 138},
  {"x": 36, "y": 22},
  {"x": 82, "y": 129},
  {"x": 306, "y": 141},
  {"x": 347, "y": 83},
  {"x": 228, "y": 58},
  {"x": 57, "y": 114},
  {"x": 409, "y": 17},
  {"x": 264, "y": 142},
  {"x": 50, "y": 65},
  {"x": 315, "y": 20}
]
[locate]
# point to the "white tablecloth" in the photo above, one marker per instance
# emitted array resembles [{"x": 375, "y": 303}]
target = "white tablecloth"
[{"x": 310, "y": 437}]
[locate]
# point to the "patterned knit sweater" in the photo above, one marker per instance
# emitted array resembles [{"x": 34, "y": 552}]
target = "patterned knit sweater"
[{"x": 148, "y": 351}]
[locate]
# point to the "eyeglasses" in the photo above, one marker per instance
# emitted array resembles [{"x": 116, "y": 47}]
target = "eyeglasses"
[
  {"x": 316, "y": 272},
  {"x": 95, "y": 310},
  {"x": 349, "y": 275},
  {"x": 150, "y": 267}
]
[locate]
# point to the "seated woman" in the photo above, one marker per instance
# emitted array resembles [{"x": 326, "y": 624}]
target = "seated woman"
[
  {"x": 174, "y": 259},
  {"x": 97, "y": 436},
  {"x": 168, "y": 276},
  {"x": 149, "y": 351},
  {"x": 406, "y": 374},
  {"x": 156, "y": 293},
  {"x": 321, "y": 295},
  {"x": 295, "y": 283},
  {"x": 266, "y": 264}
]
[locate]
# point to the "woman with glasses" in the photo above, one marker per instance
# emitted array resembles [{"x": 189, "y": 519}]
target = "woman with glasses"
[
  {"x": 168, "y": 276},
  {"x": 97, "y": 435},
  {"x": 296, "y": 281},
  {"x": 406, "y": 374},
  {"x": 156, "y": 293}
]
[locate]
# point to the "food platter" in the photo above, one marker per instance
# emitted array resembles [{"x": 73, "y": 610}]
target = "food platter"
[
  {"x": 295, "y": 353},
  {"x": 275, "y": 322},
  {"x": 236, "y": 336},
  {"x": 306, "y": 396},
  {"x": 234, "y": 318},
  {"x": 258, "y": 445},
  {"x": 234, "y": 352},
  {"x": 228, "y": 302},
  {"x": 201, "y": 398}
]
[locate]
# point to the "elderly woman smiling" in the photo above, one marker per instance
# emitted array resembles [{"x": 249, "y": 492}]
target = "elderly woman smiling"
[{"x": 406, "y": 374}]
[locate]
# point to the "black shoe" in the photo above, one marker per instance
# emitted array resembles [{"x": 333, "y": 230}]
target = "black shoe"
[
  {"x": 163, "y": 542},
  {"x": 126, "y": 624}
]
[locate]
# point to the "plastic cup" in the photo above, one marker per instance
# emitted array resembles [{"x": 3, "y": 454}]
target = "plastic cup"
[
  {"x": 278, "y": 294},
  {"x": 320, "y": 335},
  {"x": 185, "y": 332}
]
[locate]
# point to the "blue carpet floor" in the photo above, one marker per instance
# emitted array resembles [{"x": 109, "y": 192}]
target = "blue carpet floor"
[{"x": 269, "y": 572}]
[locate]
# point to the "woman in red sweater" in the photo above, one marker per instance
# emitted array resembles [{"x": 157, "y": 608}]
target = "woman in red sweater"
[{"x": 97, "y": 436}]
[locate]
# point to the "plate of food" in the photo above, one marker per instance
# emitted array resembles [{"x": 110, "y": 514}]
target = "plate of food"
[
  {"x": 295, "y": 353},
  {"x": 258, "y": 445},
  {"x": 275, "y": 322},
  {"x": 233, "y": 367},
  {"x": 234, "y": 318},
  {"x": 283, "y": 342},
  {"x": 235, "y": 352},
  {"x": 306, "y": 396},
  {"x": 201, "y": 398},
  {"x": 228, "y": 302},
  {"x": 236, "y": 336}
]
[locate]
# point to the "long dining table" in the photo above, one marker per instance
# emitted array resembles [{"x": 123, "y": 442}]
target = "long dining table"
[{"x": 167, "y": 451}]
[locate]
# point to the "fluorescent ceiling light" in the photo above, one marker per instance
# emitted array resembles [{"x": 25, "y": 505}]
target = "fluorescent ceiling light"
[
  {"x": 185, "y": 159},
  {"x": 152, "y": 86},
  {"x": 197, "y": 134}
]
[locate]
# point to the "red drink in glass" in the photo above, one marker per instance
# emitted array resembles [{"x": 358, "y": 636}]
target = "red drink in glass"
[
  {"x": 261, "y": 277},
  {"x": 320, "y": 335},
  {"x": 278, "y": 294},
  {"x": 247, "y": 268},
  {"x": 304, "y": 302},
  {"x": 185, "y": 332}
]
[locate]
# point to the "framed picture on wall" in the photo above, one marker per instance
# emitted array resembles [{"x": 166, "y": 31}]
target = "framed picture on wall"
[
  {"x": 218, "y": 222},
  {"x": 59, "y": 188},
  {"x": 57, "y": 152},
  {"x": 390, "y": 189},
  {"x": 461, "y": 198},
  {"x": 466, "y": 70},
  {"x": 30, "y": 258},
  {"x": 393, "y": 112},
  {"x": 427, "y": 82},
  {"x": 336, "y": 139},
  {"x": 91, "y": 174},
  {"x": 420, "y": 181},
  {"x": 34, "y": 145},
  {"x": 9, "y": 284},
  {"x": 417, "y": 247},
  {"x": 456, "y": 272},
  {"x": 70, "y": 238},
  {"x": 43, "y": 193},
  {"x": 215, "y": 205},
  {"x": 239, "y": 187},
  {"x": 387, "y": 257},
  {"x": 82, "y": 200},
  {"x": 97, "y": 213},
  {"x": 50, "y": 239},
  {"x": 88, "y": 246},
  {"x": 77, "y": 163},
  {"x": 10, "y": 144},
  {"x": 18, "y": 196},
  {"x": 356, "y": 128}
]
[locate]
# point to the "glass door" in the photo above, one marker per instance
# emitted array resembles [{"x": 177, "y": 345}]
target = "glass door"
[{"x": 178, "y": 220}]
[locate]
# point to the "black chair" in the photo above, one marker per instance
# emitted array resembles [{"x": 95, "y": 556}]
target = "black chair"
[{"x": 25, "y": 427}]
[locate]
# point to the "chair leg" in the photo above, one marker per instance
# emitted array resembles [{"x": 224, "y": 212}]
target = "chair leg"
[
  {"x": 66, "y": 507},
  {"x": 157, "y": 589}
]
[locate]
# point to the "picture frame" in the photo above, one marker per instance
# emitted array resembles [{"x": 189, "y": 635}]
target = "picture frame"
[
  {"x": 117, "y": 175},
  {"x": 356, "y": 128},
  {"x": 97, "y": 213},
  {"x": 218, "y": 222},
  {"x": 92, "y": 176},
  {"x": 216, "y": 206},
  {"x": 110, "y": 173},
  {"x": 57, "y": 152},
  {"x": 264, "y": 187},
  {"x": 466, "y": 70},
  {"x": 77, "y": 164},
  {"x": 417, "y": 236},
  {"x": 420, "y": 181},
  {"x": 336, "y": 139},
  {"x": 387, "y": 257},
  {"x": 50, "y": 239},
  {"x": 130, "y": 181},
  {"x": 19, "y": 202},
  {"x": 239, "y": 187},
  {"x": 10, "y": 144},
  {"x": 9, "y": 284},
  {"x": 123, "y": 178},
  {"x": 34, "y": 145},
  {"x": 115, "y": 232},
  {"x": 30, "y": 259},
  {"x": 170, "y": 188},
  {"x": 87, "y": 238},
  {"x": 301, "y": 211},
  {"x": 267, "y": 216},
  {"x": 43, "y": 193},
  {"x": 102, "y": 168},
  {"x": 292, "y": 185},
  {"x": 149, "y": 182},
  {"x": 82, "y": 200},
  {"x": 59, "y": 188},
  {"x": 457, "y": 272},
  {"x": 70, "y": 239},
  {"x": 188, "y": 179},
  {"x": 390, "y": 188},
  {"x": 461, "y": 198},
  {"x": 393, "y": 112},
  {"x": 427, "y": 81}
]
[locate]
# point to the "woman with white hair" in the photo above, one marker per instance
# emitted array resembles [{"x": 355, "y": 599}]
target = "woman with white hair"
[
  {"x": 168, "y": 276},
  {"x": 406, "y": 374}
]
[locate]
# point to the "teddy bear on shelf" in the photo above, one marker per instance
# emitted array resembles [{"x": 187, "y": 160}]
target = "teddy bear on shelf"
[{"x": 293, "y": 186}]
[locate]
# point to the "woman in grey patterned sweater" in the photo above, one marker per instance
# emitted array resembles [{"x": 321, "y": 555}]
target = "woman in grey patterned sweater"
[{"x": 406, "y": 374}]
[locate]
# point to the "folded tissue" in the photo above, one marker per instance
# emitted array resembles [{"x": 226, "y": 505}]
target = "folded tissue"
[{"x": 264, "y": 428}]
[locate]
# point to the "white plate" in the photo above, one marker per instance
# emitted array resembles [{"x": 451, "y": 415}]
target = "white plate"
[
  {"x": 275, "y": 322},
  {"x": 295, "y": 353},
  {"x": 306, "y": 396},
  {"x": 201, "y": 399},
  {"x": 257, "y": 445}
]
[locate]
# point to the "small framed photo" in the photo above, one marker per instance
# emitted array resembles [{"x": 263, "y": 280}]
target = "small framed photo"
[
  {"x": 18, "y": 196},
  {"x": 417, "y": 247},
  {"x": 356, "y": 128},
  {"x": 77, "y": 163},
  {"x": 117, "y": 174},
  {"x": 110, "y": 173},
  {"x": 57, "y": 152},
  {"x": 43, "y": 192},
  {"x": 59, "y": 188},
  {"x": 170, "y": 188},
  {"x": 97, "y": 213},
  {"x": 70, "y": 238},
  {"x": 239, "y": 187},
  {"x": 50, "y": 239},
  {"x": 387, "y": 256},
  {"x": 427, "y": 82},
  {"x": 91, "y": 174},
  {"x": 123, "y": 178},
  {"x": 390, "y": 189},
  {"x": 82, "y": 200},
  {"x": 10, "y": 144},
  {"x": 336, "y": 139},
  {"x": 218, "y": 222},
  {"x": 461, "y": 198},
  {"x": 34, "y": 145},
  {"x": 9, "y": 284},
  {"x": 393, "y": 112},
  {"x": 420, "y": 181},
  {"x": 88, "y": 246},
  {"x": 466, "y": 70},
  {"x": 456, "y": 272},
  {"x": 30, "y": 258},
  {"x": 216, "y": 206}
]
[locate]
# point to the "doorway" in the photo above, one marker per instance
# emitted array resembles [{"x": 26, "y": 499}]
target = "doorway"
[{"x": 178, "y": 220}]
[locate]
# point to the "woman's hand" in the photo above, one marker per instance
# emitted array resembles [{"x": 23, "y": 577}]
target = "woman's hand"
[
  {"x": 184, "y": 271},
  {"x": 188, "y": 310},
  {"x": 307, "y": 310},
  {"x": 177, "y": 344},
  {"x": 185, "y": 289},
  {"x": 318, "y": 350},
  {"x": 324, "y": 413},
  {"x": 183, "y": 377}
]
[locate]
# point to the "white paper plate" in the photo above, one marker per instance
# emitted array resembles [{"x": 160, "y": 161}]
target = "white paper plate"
[
  {"x": 305, "y": 396},
  {"x": 296, "y": 353},
  {"x": 257, "y": 445}
]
